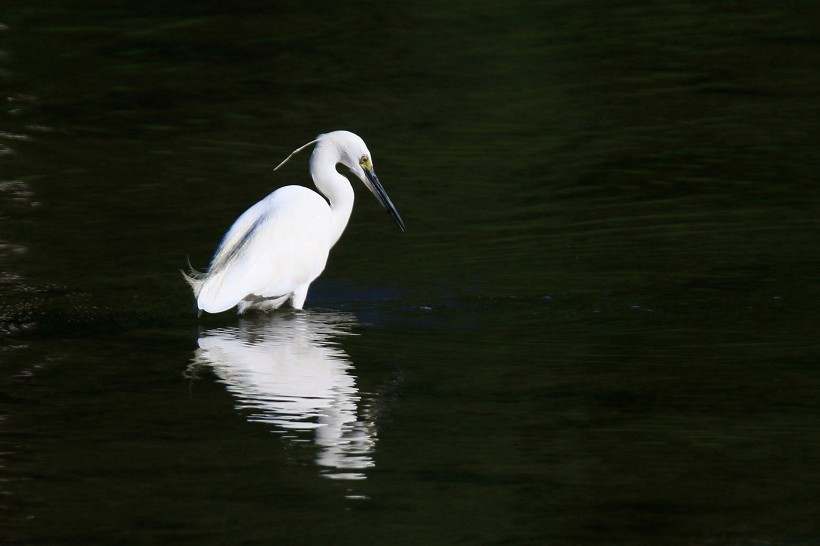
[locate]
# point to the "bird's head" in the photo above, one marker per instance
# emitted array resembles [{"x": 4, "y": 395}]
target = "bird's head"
[{"x": 354, "y": 155}]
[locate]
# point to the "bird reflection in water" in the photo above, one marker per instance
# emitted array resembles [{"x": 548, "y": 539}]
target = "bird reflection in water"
[{"x": 289, "y": 371}]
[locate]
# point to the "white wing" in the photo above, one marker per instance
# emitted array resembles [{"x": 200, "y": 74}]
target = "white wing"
[{"x": 276, "y": 246}]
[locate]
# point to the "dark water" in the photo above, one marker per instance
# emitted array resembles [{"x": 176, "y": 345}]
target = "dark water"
[{"x": 601, "y": 326}]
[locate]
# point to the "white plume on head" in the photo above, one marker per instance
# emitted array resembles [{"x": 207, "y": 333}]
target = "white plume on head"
[{"x": 297, "y": 150}]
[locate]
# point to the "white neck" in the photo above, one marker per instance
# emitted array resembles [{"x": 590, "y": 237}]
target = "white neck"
[{"x": 335, "y": 187}]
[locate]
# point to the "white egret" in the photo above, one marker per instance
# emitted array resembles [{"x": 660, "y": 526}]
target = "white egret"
[{"x": 277, "y": 248}]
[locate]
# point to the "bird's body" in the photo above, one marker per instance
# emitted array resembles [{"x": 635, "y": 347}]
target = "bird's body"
[{"x": 277, "y": 248}]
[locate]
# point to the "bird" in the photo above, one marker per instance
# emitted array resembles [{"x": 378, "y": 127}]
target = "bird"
[{"x": 279, "y": 246}]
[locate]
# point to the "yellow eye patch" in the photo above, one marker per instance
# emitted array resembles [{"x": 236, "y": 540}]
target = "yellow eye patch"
[{"x": 365, "y": 163}]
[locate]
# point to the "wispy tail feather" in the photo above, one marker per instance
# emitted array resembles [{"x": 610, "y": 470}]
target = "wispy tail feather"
[{"x": 195, "y": 278}]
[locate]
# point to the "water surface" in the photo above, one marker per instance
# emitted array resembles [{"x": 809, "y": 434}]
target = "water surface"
[{"x": 600, "y": 326}]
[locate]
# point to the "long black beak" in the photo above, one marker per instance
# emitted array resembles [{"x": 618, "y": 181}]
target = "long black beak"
[{"x": 378, "y": 190}]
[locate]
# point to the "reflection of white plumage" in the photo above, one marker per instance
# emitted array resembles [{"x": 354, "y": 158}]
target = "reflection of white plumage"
[
  {"x": 288, "y": 371},
  {"x": 277, "y": 248}
]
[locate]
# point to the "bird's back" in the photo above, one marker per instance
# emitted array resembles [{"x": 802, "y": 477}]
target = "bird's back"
[{"x": 275, "y": 247}]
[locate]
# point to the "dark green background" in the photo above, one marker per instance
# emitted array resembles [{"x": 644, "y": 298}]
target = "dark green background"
[{"x": 601, "y": 326}]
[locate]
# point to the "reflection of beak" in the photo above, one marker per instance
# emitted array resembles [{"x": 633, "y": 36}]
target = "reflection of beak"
[{"x": 377, "y": 189}]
